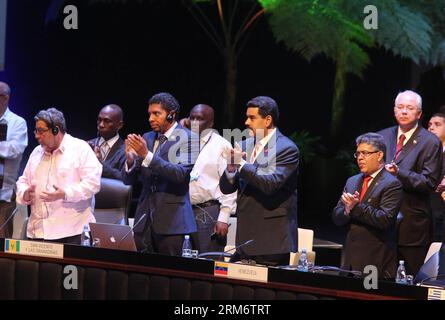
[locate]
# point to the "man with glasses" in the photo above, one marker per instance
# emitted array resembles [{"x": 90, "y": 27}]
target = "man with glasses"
[
  {"x": 59, "y": 182},
  {"x": 13, "y": 141},
  {"x": 369, "y": 205},
  {"x": 414, "y": 156}
]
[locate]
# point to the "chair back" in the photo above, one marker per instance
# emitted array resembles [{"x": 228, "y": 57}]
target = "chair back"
[{"x": 112, "y": 202}]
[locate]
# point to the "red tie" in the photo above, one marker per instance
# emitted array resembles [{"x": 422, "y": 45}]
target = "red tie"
[
  {"x": 399, "y": 146},
  {"x": 364, "y": 187}
]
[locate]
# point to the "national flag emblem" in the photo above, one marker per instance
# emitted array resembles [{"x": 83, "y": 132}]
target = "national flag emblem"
[
  {"x": 12, "y": 246},
  {"x": 220, "y": 269}
]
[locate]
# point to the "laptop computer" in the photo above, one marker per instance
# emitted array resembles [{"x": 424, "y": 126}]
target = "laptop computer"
[{"x": 113, "y": 236}]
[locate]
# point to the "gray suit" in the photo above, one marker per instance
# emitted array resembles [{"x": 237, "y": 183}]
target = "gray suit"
[{"x": 267, "y": 198}]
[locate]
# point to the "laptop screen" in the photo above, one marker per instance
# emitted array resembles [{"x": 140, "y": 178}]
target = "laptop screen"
[{"x": 113, "y": 236}]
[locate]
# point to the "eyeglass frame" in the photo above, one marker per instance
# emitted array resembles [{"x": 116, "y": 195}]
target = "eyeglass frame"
[
  {"x": 365, "y": 154},
  {"x": 41, "y": 131}
]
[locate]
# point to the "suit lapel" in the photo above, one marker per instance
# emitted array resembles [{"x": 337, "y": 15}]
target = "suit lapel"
[
  {"x": 392, "y": 145},
  {"x": 373, "y": 186},
  {"x": 412, "y": 142},
  {"x": 249, "y": 149},
  {"x": 114, "y": 149},
  {"x": 151, "y": 140}
]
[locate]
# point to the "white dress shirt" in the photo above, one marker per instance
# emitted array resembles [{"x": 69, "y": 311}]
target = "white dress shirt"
[
  {"x": 407, "y": 134},
  {"x": 149, "y": 156},
  {"x": 74, "y": 168},
  {"x": 12, "y": 150},
  {"x": 109, "y": 142},
  {"x": 204, "y": 178}
]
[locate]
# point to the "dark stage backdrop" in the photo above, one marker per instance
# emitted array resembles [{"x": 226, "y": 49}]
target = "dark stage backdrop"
[{"x": 125, "y": 53}]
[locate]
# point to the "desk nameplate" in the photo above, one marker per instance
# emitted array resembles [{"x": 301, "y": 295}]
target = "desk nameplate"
[
  {"x": 34, "y": 248},
  {"x": 241, "y": 271}
]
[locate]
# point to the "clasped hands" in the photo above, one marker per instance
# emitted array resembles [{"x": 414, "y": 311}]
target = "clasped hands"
[
  {"x": 350, "y": 201},
  {"x": 48, "y": 196},
  {"x": 135, "y": 146},
  {"x": 234, "y": 157}
]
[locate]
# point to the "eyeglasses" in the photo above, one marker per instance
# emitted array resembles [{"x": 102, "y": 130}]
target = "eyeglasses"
[
  {"x": 40, "y": 130},
  {"x": 365, "y": 154}
]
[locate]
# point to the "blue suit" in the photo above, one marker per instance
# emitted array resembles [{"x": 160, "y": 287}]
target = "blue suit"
[{"x": 165, "y": 192}]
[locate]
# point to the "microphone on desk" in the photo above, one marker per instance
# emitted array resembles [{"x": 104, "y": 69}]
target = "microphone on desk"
[
  {"x": 10, "y": 217},
  {"x": 225, "y": 253},
  {"x": 131, "y": 230}
]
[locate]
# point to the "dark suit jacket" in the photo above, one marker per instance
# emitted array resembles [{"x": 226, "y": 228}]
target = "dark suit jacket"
[
  {"x": 267, "y": 198},
  {"x": 420, "y": 167},
  {"x": 115, "y": 160},
  {"x": 371, "y": 239},
  {"x": 165, "y": 185},
  {"x": 438, "y": 209}
]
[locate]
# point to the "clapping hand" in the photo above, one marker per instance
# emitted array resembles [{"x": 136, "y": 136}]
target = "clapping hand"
[{"x": 350, "y": 201}]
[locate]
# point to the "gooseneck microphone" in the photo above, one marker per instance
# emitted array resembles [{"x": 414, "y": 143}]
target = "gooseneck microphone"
[
  {"x": 225, "y": 253},
  {"x": 9, "y": 218},
  {"x": 131, "y": 230}
]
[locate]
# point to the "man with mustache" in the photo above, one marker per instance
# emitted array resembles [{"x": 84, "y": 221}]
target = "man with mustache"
[
  {"x": 369, "y": 206},
  {"x": 266, "y": 180}
]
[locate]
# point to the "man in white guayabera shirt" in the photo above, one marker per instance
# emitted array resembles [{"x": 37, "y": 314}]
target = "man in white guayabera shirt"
[{"x": 59, "y": 181}]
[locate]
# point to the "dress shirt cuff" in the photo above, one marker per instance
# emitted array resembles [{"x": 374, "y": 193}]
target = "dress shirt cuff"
[
  {"x": 148, "y": 159},
  {"x": 230, "y": 176},
  {"x": 132, "y": 167},
  {"x": 224, "y": 215},
  {"x": 68, "y": 194},
  {"x": 242, "y": 163}
]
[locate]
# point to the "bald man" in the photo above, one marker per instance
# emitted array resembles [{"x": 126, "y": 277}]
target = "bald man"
[
  {"x": 108, "y": 145},
  {"x": 13, "y": 141},
  {"x": 211, "y": 207}
]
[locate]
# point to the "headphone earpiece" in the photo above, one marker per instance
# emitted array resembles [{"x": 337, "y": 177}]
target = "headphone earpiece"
[
  {"x": 170, "y": 117},
  {"x": 55, "y": 130}
]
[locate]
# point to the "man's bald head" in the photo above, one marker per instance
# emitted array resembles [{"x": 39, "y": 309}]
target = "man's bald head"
[
  {"x": 115, "y": 109},
  {"x": 110, "y": 121},
  {"x": 5, "y": 91},
  {"x": 203, "y": 115}
]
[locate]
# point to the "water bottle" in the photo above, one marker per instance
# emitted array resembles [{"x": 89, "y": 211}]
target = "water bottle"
[
  {"x": 401, "y": 273},
  {"x": 302, "y": 261},
  {"x": 85, "y": 238},
  {"x": 187, "y": 247}
]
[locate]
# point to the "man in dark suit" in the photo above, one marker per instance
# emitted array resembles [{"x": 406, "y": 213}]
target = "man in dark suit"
[
  {"x": 369, "y": 205},
  {"x": 162, "y": 159},
  {"x": 436, "y": 125},
  {"x": 414, "y": 156},
  {"x": 267, "y": 187},
  {"x": 108, "y": 145}
]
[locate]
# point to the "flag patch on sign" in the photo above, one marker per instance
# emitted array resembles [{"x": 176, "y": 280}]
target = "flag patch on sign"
[
  {"x": 12, "y": 246},
  {"x": 220, "y": 269}
]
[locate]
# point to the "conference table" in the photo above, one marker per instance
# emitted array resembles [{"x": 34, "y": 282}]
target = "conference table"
[{"x": 38, "y": 270}]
